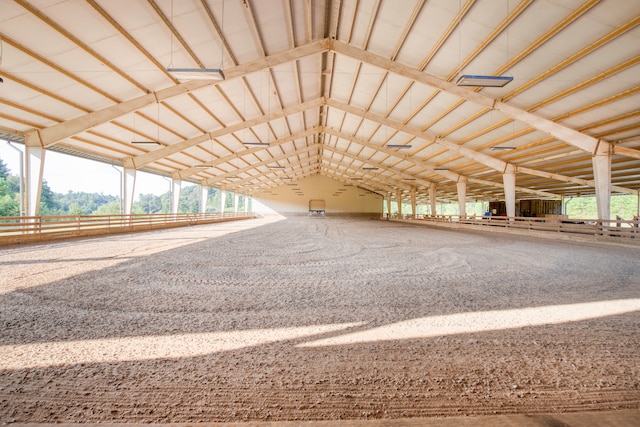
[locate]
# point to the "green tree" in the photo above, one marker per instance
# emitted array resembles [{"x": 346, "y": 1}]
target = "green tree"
[
  {"x": 4, "y": 170},
  {"x": 189, "y": 199},
  {"x": 213, "y": 200},
  {"x": 13, "y": 181},
  {"x": 9, "y": 205},
  {"x": 74, "y": 209},
  {"x": 228, "y": 205},
  {"x": 624, "y": 205},
  {"x": 148, "y": 203},
  {"x": 165, "y": 202},
  {"x": 584, "y": 207},
  {"x": 9, "y": 187},
  {"x": 48, "y": 205},
  {"x": 111, "y": 208},
  {"x": 86, "y": 203}
]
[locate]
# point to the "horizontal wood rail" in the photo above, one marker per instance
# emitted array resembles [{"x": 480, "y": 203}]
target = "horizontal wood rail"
[
  {"x": 601, "y": 229},
  {"x": 41, "y": 228}
]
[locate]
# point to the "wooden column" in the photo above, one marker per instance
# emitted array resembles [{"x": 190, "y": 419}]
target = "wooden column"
[
  {"x": 602, "y": 177},
  {"x": 462, "y": 196},
  {"x": 413, "y": 203},
  {"x": 176, "y": 186},
  {"x": 34, "y": 172},
  {"x": 204, "y": 195},
  {"x": 509, "y": 180},
  {"x": 432, "y": 198}
]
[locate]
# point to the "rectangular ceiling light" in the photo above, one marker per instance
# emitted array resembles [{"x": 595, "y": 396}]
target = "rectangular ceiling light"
[
  {"x": 202, "y": 166},
  {"x": 400, "y": 146},
  {"x": 196, "y": 73},
  {"x": 440, "y": 169},
  {"x": 370, "y": 168},
  {"x": 356, "y": 179},
  {"x": 275, "y": 167},
  {"x": 484, "y": 81},
  {"x": 146, "y": 142},
  {"x": 259, "y": 144},
  {"x": 502, "y": 148}
]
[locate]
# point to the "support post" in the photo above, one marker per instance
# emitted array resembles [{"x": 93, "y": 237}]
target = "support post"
[
  {"x": 413, "y": 202},
  {"x": 432, "y": 198},
  {"x": 223, "y": 201},
  {"x": 236, "y": 199},
  {"x": 602, "y": 177},
  {"x": 128, "y": 189},
  {"x": 388, "y": 205},
  {"x": 176, "y": 186},
  {"x": 399, "y": 201},
  {"x": 509, "y": 180},
  {"x": 34, "y": 175},
  {"x": 462, "y": 196},
  {"x": 204, "y": 193}
]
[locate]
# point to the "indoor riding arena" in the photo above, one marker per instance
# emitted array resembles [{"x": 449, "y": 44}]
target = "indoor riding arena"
[
  {"x": 316, "y": 319},
  {"x": 373, "y": 213}
]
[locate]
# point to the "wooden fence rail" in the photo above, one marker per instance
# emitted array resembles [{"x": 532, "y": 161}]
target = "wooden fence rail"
[
  {"x": 39, "y": 228},
  {"x": 618, "y": 228}
]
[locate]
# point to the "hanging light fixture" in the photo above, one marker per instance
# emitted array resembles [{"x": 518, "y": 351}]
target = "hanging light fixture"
[
  {"x": 149, "y": 142},
  {"x": 478, "y": 80},
  {"x": 186, "y": 74},
  {"x": 259, "y": 143},
  {"x": 496, "y": 148},
  {"x": 146, "y": 142},
  {"x": 206, "y": 165},
  {"x": 483, "y": 81},
  {"x": 399, "y": 146}
]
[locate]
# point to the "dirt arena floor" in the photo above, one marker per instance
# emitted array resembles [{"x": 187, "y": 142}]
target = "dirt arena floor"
[{"x": 315, "y": 319}]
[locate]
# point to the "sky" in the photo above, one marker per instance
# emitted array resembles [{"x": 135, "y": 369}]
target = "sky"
[{"x": 65, "y": 173}]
